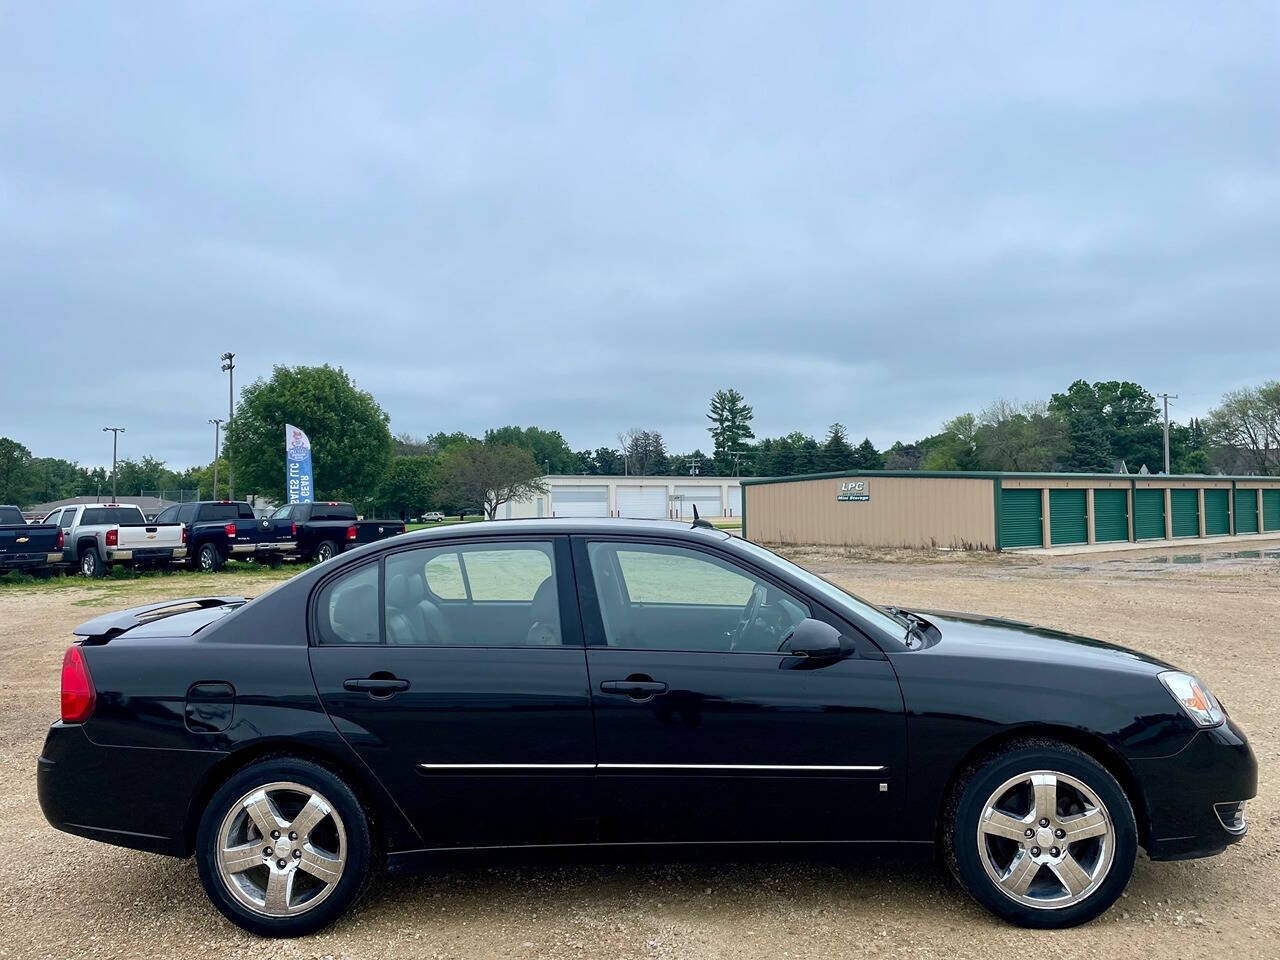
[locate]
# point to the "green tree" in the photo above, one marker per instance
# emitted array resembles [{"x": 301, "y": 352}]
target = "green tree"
[
  {"x": 17, "y": 479},
  {"x": 903, "y": 456},
  {"x": 148, "y": 473},
  {"x": 1012, "y": 437},
  {"x": 609, "y": 462},
  {"x": 837, "y": 453},
  {"x": 408, "y": 487},
  {"x": 1243, "y": 431},
  {"x": 200, "y": 479},
  {"x": 56, "y": 479},
  {"x": 350, "y": 439},
  {"x": 867, "y": 457},
  {"x": 548, "y": 447},
  {"x": 488, "y": 475},
  {"x": 644, "y": 452},
  {"x": 955, "y": 448},
  {"x": 1106, "y": 421},
  {"x": 730, "y": 425}
]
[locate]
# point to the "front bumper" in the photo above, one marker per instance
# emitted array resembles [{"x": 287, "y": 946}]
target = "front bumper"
[
  {"x": 1184, "y": 794},
  {"x": 130, "y": 796}
]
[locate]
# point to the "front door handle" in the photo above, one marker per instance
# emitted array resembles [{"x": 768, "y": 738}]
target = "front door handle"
[
  {"x": 638, "y": 688},
  {"x": 375, "y": 686}
]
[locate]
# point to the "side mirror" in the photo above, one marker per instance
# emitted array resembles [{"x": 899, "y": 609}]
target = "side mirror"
[{"x": 814, "y": 639}]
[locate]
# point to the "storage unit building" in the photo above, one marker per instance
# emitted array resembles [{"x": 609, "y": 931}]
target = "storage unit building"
[
  {"x": 576, "y": 495},
  {"x": 1004, "y": 511}
]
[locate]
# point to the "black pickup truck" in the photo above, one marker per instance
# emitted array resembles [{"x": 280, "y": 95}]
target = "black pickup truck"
[
  {"x": 222, "y": 530},
  {"x": 325, "y": 529},
  {"x": 27, "y": 546}
]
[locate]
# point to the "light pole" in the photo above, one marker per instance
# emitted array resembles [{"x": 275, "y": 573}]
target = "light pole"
[
  {"x": 115, "y": 449},
  {"x": 229, "y": 365},
  {"x": 217, "y": 424},
  {"x": 1166, "y": 397}
]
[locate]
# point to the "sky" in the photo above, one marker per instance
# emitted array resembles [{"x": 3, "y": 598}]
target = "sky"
[{"x": 591, "y": 216}]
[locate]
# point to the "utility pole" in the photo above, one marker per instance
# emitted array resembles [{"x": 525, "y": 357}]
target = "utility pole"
[
  {"x": 1166, "y": 397},
  {"x": 217, "y": 424},
  {"x": 115, "y": 449},
  {"x": 229, "y": 366}
]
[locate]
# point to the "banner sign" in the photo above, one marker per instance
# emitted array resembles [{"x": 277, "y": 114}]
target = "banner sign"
[{"x": 297, "y": 465}]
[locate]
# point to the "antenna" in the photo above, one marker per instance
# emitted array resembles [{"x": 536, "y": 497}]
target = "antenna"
[{"x": 698, "y": 521}]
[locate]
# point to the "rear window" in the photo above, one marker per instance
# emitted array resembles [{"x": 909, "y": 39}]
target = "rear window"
[
  {"x": 11, "y": 515},
  {"x": 219, "y": 511},
  {"x": 333, "y": 511},
  {"x": 99, "y": 515}
]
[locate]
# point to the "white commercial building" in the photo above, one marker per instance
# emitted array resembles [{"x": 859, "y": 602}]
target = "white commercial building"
[{"x": 655, "y": 498}]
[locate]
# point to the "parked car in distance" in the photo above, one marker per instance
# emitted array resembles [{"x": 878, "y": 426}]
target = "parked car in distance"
[
  {"x": 327, "y": 528},
  {"x": 433, "y": 516},
  {"x": 96, "y": 536},
  {"x": 221, "y": 530},
  {"x": 576, "y": 681},
  {"x": 27, "y": 546}
]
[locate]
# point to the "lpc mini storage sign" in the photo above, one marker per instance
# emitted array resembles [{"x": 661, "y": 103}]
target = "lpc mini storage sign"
[{"x": 853, "y": 491}]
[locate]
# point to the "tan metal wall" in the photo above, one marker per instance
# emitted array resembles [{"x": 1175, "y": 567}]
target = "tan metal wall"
[{"x": 901, "y": 512}]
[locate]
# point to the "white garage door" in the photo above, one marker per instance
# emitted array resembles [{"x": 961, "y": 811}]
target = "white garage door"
[
  {"x": 707, "y": 500},
  {"x": 649, "y": 503},
  {"x": 577, "y": 501},
  {"x": 735, "y": 502}
]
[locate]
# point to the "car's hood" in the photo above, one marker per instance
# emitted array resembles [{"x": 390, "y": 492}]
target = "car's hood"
[{"x": 993, "y": 637}]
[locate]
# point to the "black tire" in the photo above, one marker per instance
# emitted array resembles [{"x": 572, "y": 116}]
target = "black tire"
[
  {"x": 359, "y": 848},
  {"x": 91, "y": 563},
  {"x": 967, "y": 860},
  {"x": 326, "y": 550},
  {"x": 208, "y": 559}
]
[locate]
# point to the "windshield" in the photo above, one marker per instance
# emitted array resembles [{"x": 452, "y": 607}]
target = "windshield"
[
  {"x": 842, "y": 600},
  {"x": 283, "y": 512}
]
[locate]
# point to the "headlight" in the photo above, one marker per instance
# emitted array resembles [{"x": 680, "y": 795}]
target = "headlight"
[{"x": 1194, "y": 698}]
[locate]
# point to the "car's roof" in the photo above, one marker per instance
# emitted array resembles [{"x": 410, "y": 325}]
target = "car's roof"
[{"x": 567, "y": 525}]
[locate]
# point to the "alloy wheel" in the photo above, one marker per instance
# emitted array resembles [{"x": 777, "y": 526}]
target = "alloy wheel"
[
  {"x": 89, "y": 563},
  {"x": 1046, "y": 839},
  {"x": 325, "y": 552},
  {"x": 207, "y": 559},
  {"x": 282, "y": 848}
]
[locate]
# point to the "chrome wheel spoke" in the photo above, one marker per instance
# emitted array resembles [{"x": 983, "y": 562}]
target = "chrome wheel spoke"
[
  {"x": 279, "y": 891},
  {"x": 310, "y": 815},
  {"x": 997, "y": 823},
  {"x": 244, "y": 857},
  {"x": 1092, "y": 823},
  {"x": 321, "y": 865},
  {"x": 1073, "y": 877},
  {"x": 1021, "y": 872},
  {"x": 264, "y": 814},
  {"x": 1044, "y": 786}
]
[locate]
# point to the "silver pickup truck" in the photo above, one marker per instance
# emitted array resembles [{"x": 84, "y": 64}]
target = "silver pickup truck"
[{"x": 97, "y": 535}]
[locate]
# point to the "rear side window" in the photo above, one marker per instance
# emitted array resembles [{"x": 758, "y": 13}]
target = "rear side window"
[
  {"x": 101, "y": 515},
  {"x": 246, "y": 512},
  {"x": 347, "y": 609}
]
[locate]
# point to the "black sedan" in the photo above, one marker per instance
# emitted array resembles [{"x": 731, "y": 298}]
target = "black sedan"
[{"x": 580, "y": 682}]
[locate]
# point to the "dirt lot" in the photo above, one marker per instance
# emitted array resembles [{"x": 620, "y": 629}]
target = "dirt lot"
[{"x": 65, "y": 897}]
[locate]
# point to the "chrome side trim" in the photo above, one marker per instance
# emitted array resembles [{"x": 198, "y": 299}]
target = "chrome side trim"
[{"x": 650, "y": 766}]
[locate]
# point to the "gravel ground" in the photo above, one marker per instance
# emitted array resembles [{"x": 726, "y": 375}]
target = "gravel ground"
[{"x": 65, "y": 897}]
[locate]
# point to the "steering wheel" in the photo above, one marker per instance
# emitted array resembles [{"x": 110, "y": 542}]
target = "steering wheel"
[{"x": 749, "y": 614}]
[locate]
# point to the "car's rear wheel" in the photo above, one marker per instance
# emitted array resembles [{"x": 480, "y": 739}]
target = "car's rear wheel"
[
  {"x": 1041, "y": 834},
  {"x": 91, "y": 563},
  {"x": 284, "y": 848},
  {"x": 209, "y": 559},
  {"x": 326, "y": 551}
]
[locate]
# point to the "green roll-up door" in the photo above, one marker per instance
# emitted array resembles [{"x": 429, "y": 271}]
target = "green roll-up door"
[
  {"x": 1271, "y": 509},
  {"x": 1217, "y": 513},
  {"x": 1020, "y": 519},
  {"x": 1148, "y": 514},
  {"x": 1184, "y": 505},
  {"x": 1246, "y": 511},
  {"x": 1111, "y": 515},
  {"x": 1068, "y": 521}
]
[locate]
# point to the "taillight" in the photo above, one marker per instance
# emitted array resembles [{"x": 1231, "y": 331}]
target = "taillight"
[
  {"x": 230, "y": 528},
  {"x": 61, "y": 539},
  {"x": 351, "y": 532},
  {"x": 293, "y": 529},
  {"x": 78, "y": 695},
  {"x": 113, "y": 538},
  {"x": 184, "y": 533}
]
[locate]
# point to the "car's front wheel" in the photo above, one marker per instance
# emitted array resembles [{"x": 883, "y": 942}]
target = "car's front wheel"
[
  {"x": 284, "y": 848},
  {"x": 1041, "y": 834}
]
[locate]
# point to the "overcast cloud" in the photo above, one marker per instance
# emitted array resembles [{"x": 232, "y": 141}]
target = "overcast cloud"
[{"x": 590, "y": 216}]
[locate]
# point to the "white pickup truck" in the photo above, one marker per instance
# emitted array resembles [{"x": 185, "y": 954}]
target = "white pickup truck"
[{"x": 97, "y": 535}]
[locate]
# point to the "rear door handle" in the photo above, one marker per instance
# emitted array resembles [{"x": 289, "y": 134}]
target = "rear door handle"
[
  {"x": 376, "y": 686},
  {"x": 635, "y": 689}
]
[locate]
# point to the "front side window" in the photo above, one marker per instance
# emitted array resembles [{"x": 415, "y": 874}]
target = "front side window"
[
  {"x": 167, "y": 515},
  {"x": 659, "y": 597},
  {"x": 53, "y": 517},
  {"x": 187, "y": 512}
]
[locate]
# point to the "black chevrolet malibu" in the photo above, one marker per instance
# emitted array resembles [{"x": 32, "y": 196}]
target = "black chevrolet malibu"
[{"x": 571, "y": 682}]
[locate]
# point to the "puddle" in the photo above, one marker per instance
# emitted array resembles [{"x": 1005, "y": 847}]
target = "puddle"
[{"x": 1154, "y": 564}]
